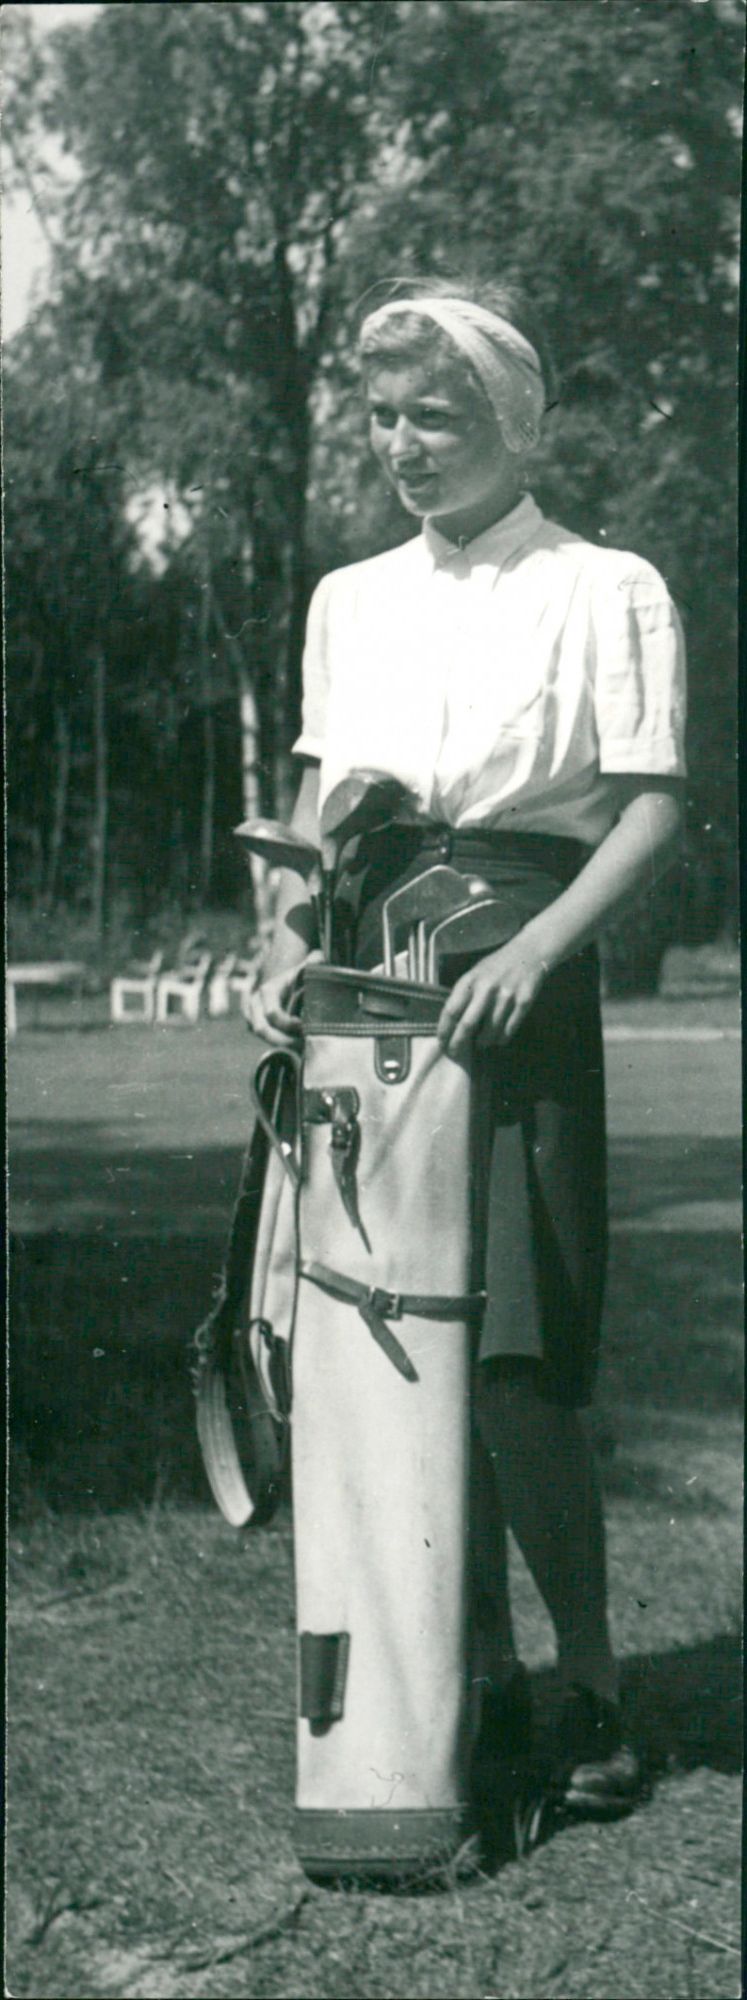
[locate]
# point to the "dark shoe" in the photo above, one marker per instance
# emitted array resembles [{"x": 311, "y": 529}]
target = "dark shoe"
[{"x": 594, "y": 1771}]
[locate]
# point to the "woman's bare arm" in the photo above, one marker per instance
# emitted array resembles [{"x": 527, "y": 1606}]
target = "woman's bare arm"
[
  {"x": 295, "y": 931},
  {"x": 492, "y": 1000},
  {"x": 292, "y": 941}
]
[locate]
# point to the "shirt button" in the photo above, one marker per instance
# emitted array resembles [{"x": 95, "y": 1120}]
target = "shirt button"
[{"x": 444, "y": 846}]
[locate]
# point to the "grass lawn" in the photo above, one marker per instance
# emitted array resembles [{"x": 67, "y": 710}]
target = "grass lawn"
[{"x": 152, "y": 1649}]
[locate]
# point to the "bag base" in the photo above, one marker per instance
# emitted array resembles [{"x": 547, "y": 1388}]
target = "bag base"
[{"x": 380, "y": 1846}]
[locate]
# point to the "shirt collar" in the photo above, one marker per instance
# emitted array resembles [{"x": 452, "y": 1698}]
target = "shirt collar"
[{"x": 494, "y": 545}]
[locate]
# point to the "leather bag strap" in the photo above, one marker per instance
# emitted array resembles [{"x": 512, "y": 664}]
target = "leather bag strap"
[
  {"x": 376, "y": 1306},
  {"x": 269, "y": 1073},
  {"x": 219, "y": 1343}
]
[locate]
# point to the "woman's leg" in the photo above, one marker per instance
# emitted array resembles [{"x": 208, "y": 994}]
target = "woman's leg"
[{"x": 549, "y": 1494}]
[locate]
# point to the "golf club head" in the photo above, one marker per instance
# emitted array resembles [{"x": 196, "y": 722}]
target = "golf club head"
[
  {"x": 426, "y": 901},
  {"x": 359, "y": 796},
  {"x": 363, "y": 800},
  {"x": 279, "y": 845},
  {"x": 478, "y": 928}
]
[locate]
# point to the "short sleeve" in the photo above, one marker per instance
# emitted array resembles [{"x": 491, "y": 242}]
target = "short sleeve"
[
  {"x": 640, "y": 692},
  {"x": 315, "y": 672}
]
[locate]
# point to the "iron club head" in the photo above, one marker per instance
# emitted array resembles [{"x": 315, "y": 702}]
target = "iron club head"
[
  {"x": 476, "y": 929},
  {"x": 426, "y": 901}
]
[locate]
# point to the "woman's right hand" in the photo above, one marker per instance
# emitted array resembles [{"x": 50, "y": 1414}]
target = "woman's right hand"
[{"x": 267, "y": 1010}]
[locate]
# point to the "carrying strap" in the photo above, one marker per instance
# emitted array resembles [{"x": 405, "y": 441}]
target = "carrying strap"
[
  {"x": 214, "y": 1348},
  {"x": 376, "y": 1306},
  {"x": 275, "y": 1074},
  {"x": 268, "y": 1069}
]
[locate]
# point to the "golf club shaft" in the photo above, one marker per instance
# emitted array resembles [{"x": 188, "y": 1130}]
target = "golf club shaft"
[{"x": 326, "y": 914}]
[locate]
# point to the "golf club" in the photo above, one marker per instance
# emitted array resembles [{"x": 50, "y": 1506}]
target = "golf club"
[
  {"x": 360, "y": 803},
  {"x": 281, "y": 847},
  {"x": 473, "y": 889},
  {"x": 425, "y": 901},
  {"x": 479, "y": 928},
  {"x": 364, "y": 799}
]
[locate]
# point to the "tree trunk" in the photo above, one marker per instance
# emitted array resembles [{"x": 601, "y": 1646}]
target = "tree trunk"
[
  {"x": 297, "y": 390},
  {"x": 251, "y": 793},
  {"x": 264, "y": 647},
  {"x": 60, "y": 787},
  {"x": 297, "y": 595},
  {"x": 177, "y": 866},
  {"x": 251, "y": 769},
  {"x": 207, "y": 820},
  {"x": 251, "y": 798},
  {"x": 207, "y": 824},
  {"x": 101, "y": 795}
]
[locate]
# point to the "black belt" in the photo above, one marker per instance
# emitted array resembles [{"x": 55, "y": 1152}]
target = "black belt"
[
  {"x": 402, "y": 843},
  {"x": 558, "y": 852}
]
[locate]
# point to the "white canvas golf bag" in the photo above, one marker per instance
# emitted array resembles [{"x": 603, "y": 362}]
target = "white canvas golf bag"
[{"x": 360, "y": 1327}]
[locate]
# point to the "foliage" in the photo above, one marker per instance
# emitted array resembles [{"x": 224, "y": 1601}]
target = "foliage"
[
  {"x": 239, "y": 178},
  {"x": 68, "y": 592},
  {"x": 596, "y": 159}
]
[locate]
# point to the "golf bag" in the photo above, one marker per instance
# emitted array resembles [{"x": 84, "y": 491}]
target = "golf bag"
[{"x": 360, "y": 1325}]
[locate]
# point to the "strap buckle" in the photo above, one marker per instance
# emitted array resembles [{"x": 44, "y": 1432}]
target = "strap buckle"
[{"x": 387, "y": 1304}]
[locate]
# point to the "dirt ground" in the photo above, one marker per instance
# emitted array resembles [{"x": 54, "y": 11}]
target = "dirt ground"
[{"x": 152, "y": 1648}]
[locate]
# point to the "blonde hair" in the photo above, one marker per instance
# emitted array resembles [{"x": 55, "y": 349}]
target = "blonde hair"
[{"x": 496, "y": 354}]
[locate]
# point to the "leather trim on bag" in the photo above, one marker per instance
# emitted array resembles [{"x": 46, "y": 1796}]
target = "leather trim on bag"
[
  {"x": 349, "y": 1002},
  {"x": 392, "y": 1058},
  {"x": 318, "y": 1107},
  {"x": 376, "y": 1306},
  {"x": 376, "y": 1841},
  {"x": 425, "y": 1305},
  {"x": 323, "y": 1669}
]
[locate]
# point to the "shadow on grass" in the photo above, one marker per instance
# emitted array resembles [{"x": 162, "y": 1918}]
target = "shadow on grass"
[
  {"x": 76, "y": 1176},
  {"x": 685, "y": 1706},
  {"x": 683, "y": 1712},
  {"x": 101, "y": 1406},
  {"x": 55, "y": 1160},
  {"x": 102, "y": 1415}
]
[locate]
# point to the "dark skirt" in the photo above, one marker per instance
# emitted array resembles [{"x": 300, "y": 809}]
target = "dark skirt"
[{"x": 540, "y": 1236}]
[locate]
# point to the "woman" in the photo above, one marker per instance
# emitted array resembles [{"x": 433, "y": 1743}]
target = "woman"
[{"x": 528, "y": 688}]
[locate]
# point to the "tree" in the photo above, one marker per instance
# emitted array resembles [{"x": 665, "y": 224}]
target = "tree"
[
  {"x": 206, "y": 223},
  {"x": 246, "y": 172},
  {"x": 594, "y": 154},
  {"x": 68, "y": 590}
]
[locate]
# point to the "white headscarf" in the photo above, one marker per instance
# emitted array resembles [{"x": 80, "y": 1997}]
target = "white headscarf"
[{"x": 507, "y": 366}]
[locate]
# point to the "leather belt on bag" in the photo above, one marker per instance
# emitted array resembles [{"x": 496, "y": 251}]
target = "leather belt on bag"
[{"x": 377, "y": 1305}]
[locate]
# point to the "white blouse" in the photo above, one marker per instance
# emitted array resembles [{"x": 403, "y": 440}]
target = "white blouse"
[{"x": 500, "y": 681}]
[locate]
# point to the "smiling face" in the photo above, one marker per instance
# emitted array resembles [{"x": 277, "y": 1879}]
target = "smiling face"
[{"x": 440, "y": 446}]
